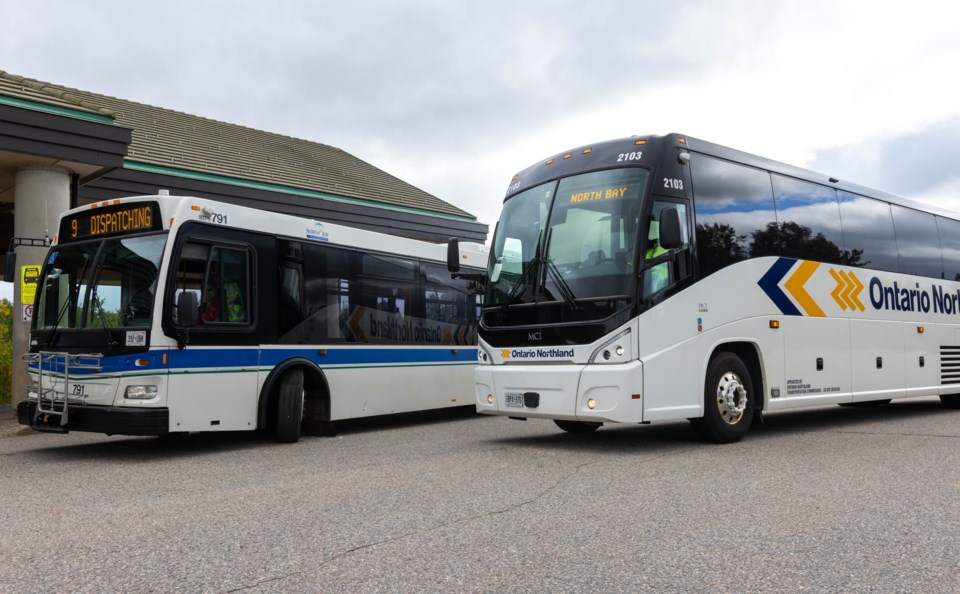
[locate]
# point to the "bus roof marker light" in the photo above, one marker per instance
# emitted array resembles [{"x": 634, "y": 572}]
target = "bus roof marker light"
[
  {"x": 568, "y": 155},
  {"x": 550, "y": 161},
  {"x": 587, "y": 151},
  {"x": 640, "y": 142},
  {"x": 681, "y": 140}
]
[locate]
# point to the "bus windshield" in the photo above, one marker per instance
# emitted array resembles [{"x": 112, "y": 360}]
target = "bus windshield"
[
  {"x": 568, "y": 240},
  {"x": 100, "y": 284}
]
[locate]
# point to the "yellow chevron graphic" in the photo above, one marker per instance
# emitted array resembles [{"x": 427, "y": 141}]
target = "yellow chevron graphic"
[
  {"x": 794, "y": 286},
  {"x": 847, "y": 293}
]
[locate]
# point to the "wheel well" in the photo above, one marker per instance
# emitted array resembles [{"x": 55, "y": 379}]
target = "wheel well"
[
  {"x": 315, "y": 387},
  {"x": 748, "y": 354}
]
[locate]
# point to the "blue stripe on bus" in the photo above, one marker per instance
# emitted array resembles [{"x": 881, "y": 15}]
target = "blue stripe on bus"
[
  {"x": 770, "y": 283},
  {"x": 254, "y": 358}
]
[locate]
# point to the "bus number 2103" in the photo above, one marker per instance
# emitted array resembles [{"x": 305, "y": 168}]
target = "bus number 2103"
[
  {"x": 630, "y": 156},
  {"x": 672, "y": 184}
]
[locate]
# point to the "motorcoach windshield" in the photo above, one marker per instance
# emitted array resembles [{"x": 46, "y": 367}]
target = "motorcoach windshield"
[
  {"x": 100, "y": 284},
  {"x": 571, "y": 240}
]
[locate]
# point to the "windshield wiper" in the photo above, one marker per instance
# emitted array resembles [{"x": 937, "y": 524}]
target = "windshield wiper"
[
  {"x": 562, "y": 287},
  {"x": 522, "y": 283},
  {"x": 103, "y": 319},
  {"x": 66, "y": 304}
]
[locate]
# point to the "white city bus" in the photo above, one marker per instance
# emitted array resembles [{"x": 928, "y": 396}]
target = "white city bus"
[
  {"x": 663, "y": 278},
  {"x": 161, "y": 314}
]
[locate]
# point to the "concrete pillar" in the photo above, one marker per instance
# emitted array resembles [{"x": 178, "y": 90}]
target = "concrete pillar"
[{"x": 41, "y": 193}]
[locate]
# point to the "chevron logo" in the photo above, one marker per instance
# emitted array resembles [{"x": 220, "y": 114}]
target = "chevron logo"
[
  {"x": 847, "y": 293},
  {"x": 794, "y": 285}
]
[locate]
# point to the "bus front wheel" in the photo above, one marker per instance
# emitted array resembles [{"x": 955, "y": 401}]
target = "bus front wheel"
[
  {"x": 290, "y": 406},
  {"x": 727, "y": 400}
]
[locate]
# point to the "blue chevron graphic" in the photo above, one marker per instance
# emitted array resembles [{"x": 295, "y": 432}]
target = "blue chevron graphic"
[{"x": 770, "y": 281}]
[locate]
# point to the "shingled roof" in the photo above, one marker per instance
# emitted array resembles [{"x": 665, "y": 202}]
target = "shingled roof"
[{"x": 179, "y": 141}]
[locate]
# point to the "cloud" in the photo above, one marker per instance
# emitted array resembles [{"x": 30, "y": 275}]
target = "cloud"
[
  {"x": 923, "y": 164},
  {"x": 455, "y": 97}
]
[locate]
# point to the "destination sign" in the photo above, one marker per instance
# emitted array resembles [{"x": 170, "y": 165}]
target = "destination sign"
[
  {"x": 598, "y": 194},
  {"x": 111, "y": 220}
]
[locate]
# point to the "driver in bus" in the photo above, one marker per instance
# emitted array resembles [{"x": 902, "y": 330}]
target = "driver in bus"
[
  {"x": 211, "y": 305},
  {"x": 659, "y": 274}
]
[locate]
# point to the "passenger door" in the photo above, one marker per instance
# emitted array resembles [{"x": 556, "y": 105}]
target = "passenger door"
[{"x": 213, "y": 380}]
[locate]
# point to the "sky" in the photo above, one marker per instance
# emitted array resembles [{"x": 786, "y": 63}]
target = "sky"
[{"x": 457, "y": 97}]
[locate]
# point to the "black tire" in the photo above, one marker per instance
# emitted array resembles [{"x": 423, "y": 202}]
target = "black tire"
[
  {"x": 867, "y": 404},
  {"x": 950, "y": 400},
  {"x": 577, "y": 426},
  {"x": 728, "y": 400},
  {"x": 289, "y": 406}
]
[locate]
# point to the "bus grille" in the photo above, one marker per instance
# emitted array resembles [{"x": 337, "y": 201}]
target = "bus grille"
[{"x": 949, "y": 365}]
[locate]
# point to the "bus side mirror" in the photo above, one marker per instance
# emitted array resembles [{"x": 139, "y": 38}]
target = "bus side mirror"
[
  {"x": 453, "y": 255},
  {"x": 187, "y": 305},
  {"x": 10, "y": 267},
  {"x": 670, "y": 236}
]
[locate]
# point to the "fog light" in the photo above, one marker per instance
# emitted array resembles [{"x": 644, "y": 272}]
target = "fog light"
[
  {"x": 619, "y": 351},
  {"x": 489, "y": 398},
  {"x": 140, "y": 392},
  {"x": 591, "y": 404}
]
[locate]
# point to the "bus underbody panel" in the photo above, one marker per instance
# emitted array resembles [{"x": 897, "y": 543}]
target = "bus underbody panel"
[
  {"x": 595, "y": 393},
  {"x": 112, "y": 420}
]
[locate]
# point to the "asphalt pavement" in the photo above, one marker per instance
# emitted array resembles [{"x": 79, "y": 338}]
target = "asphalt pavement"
[{"x": 825, "y": 500}]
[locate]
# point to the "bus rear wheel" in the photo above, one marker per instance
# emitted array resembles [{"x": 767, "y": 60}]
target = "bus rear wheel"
[
  {"x": 289, "y": 406},
  {"x": 728, "y": 400},
  {"x": 577, "y": 426}
]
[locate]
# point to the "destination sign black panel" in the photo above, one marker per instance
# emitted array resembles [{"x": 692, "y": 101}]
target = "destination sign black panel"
[{"x": 105, "y": 221}]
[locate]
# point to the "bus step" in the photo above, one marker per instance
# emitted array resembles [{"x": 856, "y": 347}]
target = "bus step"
[{"x": 49, "y": 428}]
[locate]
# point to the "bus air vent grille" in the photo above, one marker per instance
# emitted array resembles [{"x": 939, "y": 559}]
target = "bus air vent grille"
[{"x": 949, "y": 365}]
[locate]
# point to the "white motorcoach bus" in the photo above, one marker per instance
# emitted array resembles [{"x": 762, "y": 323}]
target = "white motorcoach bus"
[
  {"x": 162, "y": 314},
  {"x": 662, "y": 278}
]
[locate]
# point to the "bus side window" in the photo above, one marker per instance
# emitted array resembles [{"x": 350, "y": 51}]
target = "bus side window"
[
  {"x": 190, "y": 270},
  {"x": 662, "y": 275},
  {"x": 226, "y": 296},
  {"x": 290, "y": 303},
  {"x": 734, "y": 205}
]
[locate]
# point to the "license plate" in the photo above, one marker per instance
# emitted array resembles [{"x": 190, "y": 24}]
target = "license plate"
[{"x": 514, "y": 399}]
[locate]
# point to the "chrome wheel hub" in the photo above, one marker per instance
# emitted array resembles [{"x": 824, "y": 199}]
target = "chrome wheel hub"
[{"x": 731, "y": 398}]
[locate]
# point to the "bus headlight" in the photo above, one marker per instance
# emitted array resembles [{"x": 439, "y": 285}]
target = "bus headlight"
[
  {"x": 140, "y": 392},
  {"x": 615, "y": 350},
  {"x": 483, "y": 357}
]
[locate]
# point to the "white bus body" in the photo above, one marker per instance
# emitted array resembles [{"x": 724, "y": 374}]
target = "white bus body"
[
  {"x": 759, "y": 331},
  {"x": 396, "y": 342}
]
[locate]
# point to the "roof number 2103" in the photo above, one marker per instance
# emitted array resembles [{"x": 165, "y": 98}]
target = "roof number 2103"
[
  {"x": 672, "y": 184},
  {"x": 630, "y": 156}
]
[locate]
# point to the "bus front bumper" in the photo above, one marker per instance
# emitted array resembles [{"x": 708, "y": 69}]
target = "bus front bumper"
[
  {"x": 591, "y": 393},
  {"x": 112, "y": 420}
]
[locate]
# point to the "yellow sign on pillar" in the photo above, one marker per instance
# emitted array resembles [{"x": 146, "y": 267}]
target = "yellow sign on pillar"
[{"x": 29, "y": 276}]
